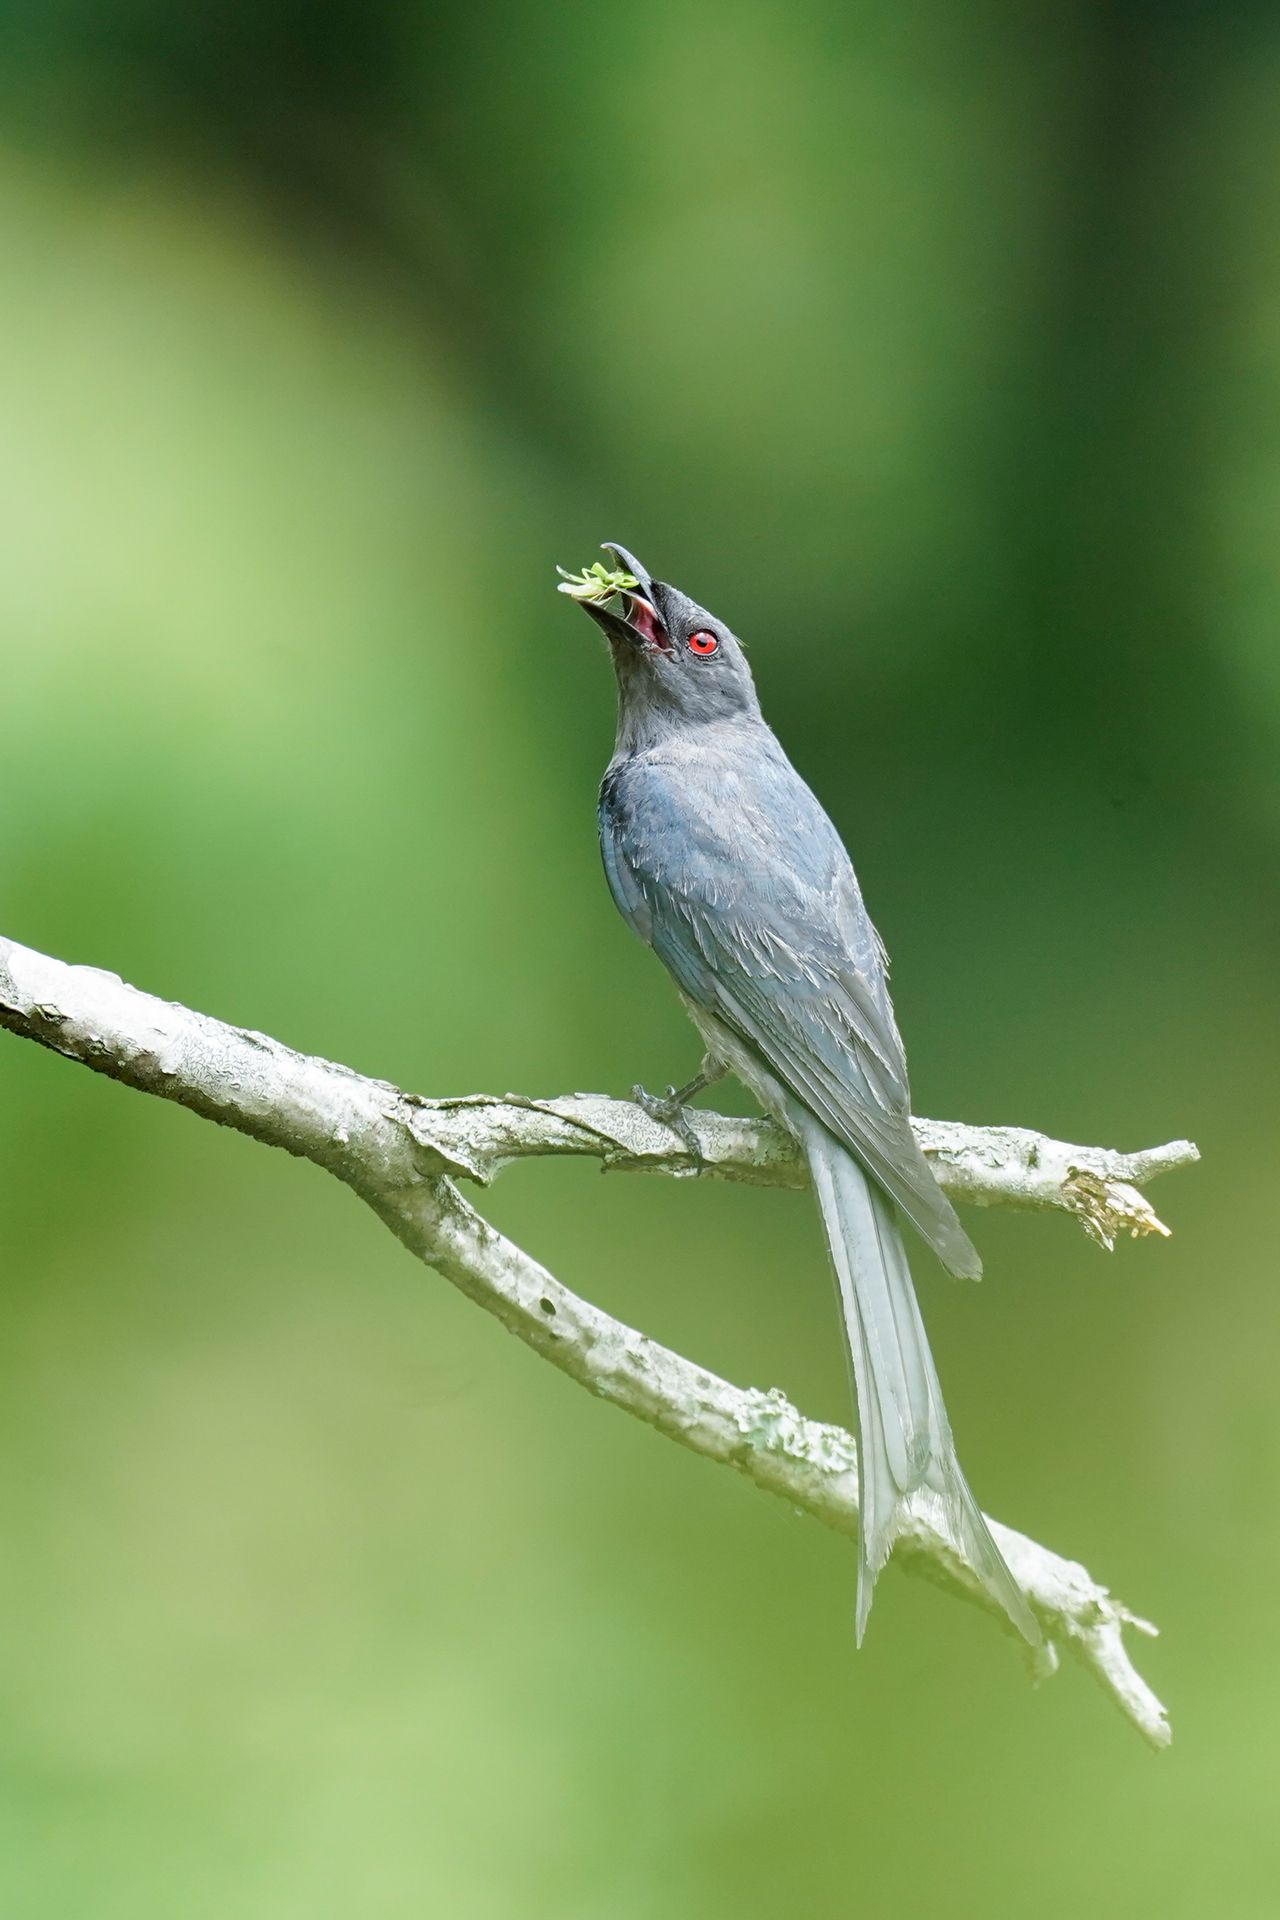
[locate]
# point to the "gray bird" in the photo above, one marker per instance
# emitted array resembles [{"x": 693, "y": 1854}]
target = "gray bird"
[{"x": 722, "y": 861}]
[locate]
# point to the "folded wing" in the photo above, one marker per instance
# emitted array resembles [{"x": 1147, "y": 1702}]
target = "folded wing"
[{"x": 773, "y": 939}]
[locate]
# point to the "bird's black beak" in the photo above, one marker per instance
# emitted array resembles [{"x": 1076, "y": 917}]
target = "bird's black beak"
[
  {"x": 634, "y": 616},
  {"x": 627, "y": 563}
]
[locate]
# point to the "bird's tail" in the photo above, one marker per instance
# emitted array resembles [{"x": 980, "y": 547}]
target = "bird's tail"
[{"x": 905, "y": 1442}]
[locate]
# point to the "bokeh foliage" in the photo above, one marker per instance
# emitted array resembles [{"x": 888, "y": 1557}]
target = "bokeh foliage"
[{"x": 936, "y": 349}]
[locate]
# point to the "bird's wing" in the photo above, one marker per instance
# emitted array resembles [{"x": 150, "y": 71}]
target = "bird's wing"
[{"x": 756, "y": 913}]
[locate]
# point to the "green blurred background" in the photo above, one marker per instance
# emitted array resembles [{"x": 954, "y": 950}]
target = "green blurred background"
[{"x": 938, "y": 351}]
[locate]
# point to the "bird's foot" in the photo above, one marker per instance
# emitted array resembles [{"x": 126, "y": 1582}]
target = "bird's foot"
[{"x": 669, "y": 1110}]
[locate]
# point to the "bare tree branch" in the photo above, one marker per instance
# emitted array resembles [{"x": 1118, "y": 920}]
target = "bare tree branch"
[
  {"x": 477, "y": 1135},
  {"x": 402, "y": 1155}
]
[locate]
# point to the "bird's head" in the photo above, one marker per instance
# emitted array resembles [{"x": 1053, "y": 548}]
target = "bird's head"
[{"x": 677, "y": 665}]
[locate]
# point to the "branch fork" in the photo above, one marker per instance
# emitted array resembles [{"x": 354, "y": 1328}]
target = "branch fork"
[{"x": 403, "y": 1155}]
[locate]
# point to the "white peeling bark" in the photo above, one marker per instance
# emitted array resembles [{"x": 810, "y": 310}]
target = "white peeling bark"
[{"x": 402, "y": 1155}]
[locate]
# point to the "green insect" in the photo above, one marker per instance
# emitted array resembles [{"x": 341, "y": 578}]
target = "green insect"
[{"x": 595, "y": 584}]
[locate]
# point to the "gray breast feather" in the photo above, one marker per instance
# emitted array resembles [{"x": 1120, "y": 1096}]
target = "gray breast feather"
[{"x": 723, "y": 861}]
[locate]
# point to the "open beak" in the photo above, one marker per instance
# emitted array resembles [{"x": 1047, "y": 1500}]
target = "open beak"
[{"x": 632, "y": 616}]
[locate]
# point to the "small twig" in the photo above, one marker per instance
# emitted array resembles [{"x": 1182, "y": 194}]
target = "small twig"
[{"x": 479, "y": 1134}]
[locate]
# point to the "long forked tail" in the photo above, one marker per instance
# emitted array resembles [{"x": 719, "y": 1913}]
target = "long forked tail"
[{"x": 905, "y": 1440}]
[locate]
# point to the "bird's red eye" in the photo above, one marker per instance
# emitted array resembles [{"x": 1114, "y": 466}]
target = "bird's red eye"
[{"x": 703, "y": 642}]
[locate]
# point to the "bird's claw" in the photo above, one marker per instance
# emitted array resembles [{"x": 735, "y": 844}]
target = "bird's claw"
[{"x": 668, "y": 1111}]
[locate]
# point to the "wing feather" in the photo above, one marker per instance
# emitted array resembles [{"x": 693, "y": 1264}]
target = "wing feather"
[{"x": 756, "y": 913}]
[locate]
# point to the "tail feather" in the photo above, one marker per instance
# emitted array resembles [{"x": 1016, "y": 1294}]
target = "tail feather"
[{"x": 905, "y": 1442}]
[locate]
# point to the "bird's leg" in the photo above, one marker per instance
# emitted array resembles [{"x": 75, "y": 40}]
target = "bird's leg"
[{"x": 669, "y": 1108}]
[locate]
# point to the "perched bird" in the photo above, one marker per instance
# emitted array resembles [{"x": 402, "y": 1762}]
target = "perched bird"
[{"x": 720, "y": 858}]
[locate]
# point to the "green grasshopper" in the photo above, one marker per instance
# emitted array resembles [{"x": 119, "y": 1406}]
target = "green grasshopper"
[{"x": 595, "y": 584}]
